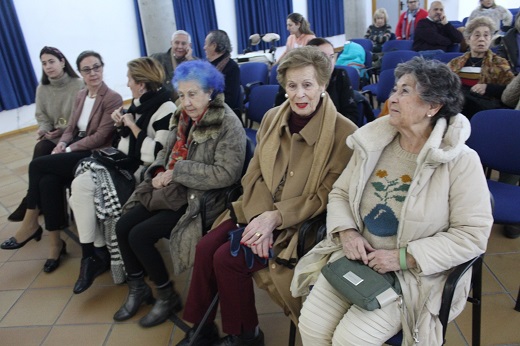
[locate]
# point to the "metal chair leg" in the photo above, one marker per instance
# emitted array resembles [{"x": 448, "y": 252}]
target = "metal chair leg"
[
  {"x": 292, "y": 334},
  {"x": 517, "y": 306}
]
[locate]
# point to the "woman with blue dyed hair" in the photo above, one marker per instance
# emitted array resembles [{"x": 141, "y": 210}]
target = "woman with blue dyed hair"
[{"x": 205, "y": 150}]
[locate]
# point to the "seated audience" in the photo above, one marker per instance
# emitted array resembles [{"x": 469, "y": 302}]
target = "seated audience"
[
  {"x": 90, "y": 127},
  {"x": 142, "y": 132},
  {"x": 379, "y": 32},
  {"x": 484, "y": 74},
  {"x": 509, "y": 45},
  {"x": 402, "y": 206},
  {"x": 54, "y": 99},
  {"x": 435, "y": 32},
  {"x": 408, "y": 20},
  {"x": 301, "y": 150},
  {"x": 339, "y": 87},
  {"x": 179, "y": 52},
  {"x": 501, "y": 16},
  {"x": 205, "y": 150},
  {"x": 218, "y": 52},
  {"x": 300, "y": 33}
]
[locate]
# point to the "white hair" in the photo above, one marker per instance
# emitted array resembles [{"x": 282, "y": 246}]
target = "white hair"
[{"x": 181, "y": 32}]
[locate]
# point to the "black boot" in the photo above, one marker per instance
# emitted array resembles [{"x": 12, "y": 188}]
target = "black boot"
[
  {"x": 91, "y": 268},
  {"x": 234, "y": 340},
  {"x": 138, "y": 292},
  {"x": 207, "y": 336},
  {"x": 168, "y": 302},
  {"x": 19, "y": 213}
]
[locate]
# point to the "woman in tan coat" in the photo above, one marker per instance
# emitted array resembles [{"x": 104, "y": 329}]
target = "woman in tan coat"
[{"x": 300, "y": 153}]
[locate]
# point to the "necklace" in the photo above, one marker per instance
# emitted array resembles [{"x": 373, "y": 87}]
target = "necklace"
[{"x": 476, "y": 62}]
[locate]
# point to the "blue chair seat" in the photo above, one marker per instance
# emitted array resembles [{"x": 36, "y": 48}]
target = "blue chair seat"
[{"x": 507, "y": 207}]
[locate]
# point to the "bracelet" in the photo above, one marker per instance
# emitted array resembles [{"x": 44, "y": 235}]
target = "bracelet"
[{"x": 402, "y": 258}]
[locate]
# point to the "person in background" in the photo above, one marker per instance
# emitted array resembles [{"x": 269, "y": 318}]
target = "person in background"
[
  {"x": 142, "y": 131},
  {"x": 500, "y": 15},
  {"x": 54, "y": 99},
  {"x": 408, "y": 20},
  {"x": 339, "y": 88},
  {"x": 484, "y": 74},
  {"x": 402, "y": 206},
  {"x": 179, "y": 52},
  {"x": 205, "y": 150},
  {"x": 510, "y": 44},
  {"x": 379, "y": 32},
  {"x": 90, "y": 127},
  {"x": 300, "y": 152},
  {"x": 300, "y": 33},
  {"x": 218, "y": 52},
  {"x": 435, "y": 32}
]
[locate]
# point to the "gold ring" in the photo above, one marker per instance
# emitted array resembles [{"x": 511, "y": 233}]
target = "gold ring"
[{"x": 258, "y": 234}]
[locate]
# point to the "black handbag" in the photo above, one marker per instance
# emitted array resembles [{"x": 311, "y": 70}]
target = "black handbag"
[{"x": 114, "y": 158}]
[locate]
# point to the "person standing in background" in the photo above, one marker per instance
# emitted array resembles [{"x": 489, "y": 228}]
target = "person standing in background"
[
  {"x": 300, "y": 33},
  {"x": 409, "y": 19}
]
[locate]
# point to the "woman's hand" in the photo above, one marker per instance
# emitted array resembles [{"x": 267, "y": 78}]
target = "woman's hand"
[
  {"x": 117, "y": 116},
  {"x": 355, "y": 246},
  {"x": 59, "y": 148},
  {"x": 40, "y": 133},
  {"x": 162, "y": 179},
  {"x": 128, "y": 119},
  {"x": 384, "y": 261},
  {"x": 479, "y": 89},
  {"x": 53, "y": 134},
  {"x": 258, "y": 234}
]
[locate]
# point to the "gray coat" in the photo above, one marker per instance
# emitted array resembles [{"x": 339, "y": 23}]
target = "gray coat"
[{"x": 215, "y": 159}]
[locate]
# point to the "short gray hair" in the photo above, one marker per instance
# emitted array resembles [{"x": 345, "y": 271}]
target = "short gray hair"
[
  {"x": 181, "y": 32},
  {"x": 477, "y": 22},
  {"x": 221, "y": 39},
  {"x": 436, "y": 85}
]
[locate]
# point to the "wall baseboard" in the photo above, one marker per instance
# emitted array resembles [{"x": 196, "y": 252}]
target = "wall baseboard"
[{"x": 31, "y": 128}]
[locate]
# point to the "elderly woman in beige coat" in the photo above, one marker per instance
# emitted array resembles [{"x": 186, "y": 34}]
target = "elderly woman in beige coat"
[
  {"x": 402, "y": 206},
  {"x": 300, "y": 153}
]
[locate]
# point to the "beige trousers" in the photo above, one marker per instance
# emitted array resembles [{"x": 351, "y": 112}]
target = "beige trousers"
[
  {"x": 328, "y": 319},
  {"x": 81, "y": 202}
]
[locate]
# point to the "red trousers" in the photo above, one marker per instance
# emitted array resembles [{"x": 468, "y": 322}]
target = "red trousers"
[{"x": 216, "y": 270}]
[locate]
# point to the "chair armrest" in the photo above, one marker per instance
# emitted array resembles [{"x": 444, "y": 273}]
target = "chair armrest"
[
  {"x": 451, "y": 284},
  {"x": 311, "y": 232}
]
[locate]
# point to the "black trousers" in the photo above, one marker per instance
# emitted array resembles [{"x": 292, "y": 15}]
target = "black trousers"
[
  {"x": 137, "y": 232},
  {"x": 49, "y": 175}
]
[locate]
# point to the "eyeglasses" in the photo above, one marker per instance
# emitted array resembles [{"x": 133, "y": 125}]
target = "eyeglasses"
[
  {"x": 86, "y": 70},
  {"x": 412, "y": 2}
]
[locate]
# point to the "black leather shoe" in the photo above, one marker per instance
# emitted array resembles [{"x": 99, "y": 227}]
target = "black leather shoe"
[
  {"x": 168, "y": 302},
  {"x": 53, "y": 264},
  {"x": 91, "y": 268},
  {"x": 208, "y": 335},
  {"x": 19, "y": 213},
  {"x": 234, "y": 340},
  {"x": 138, "y": 293},
  {"x": 12, "y": 244},
  {"x": 512, "y": 231}
]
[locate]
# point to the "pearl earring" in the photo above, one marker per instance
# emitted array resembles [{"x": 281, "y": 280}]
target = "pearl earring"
[
  {"x": 141, "y": 91},
  {"x": 286, "y": 96},
  {"x": 429, "y": 115},
  {"x": 209, "y": 99},
  {"x": 322, "y": 95}
]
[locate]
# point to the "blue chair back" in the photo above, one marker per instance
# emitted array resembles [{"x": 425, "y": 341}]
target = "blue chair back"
[
  {"x": 456, "y": 23},
  {"x": 273, "y": 74},
  {"x": 384, "y": 85},
  {"x": 364, "y": 42},
  {"x": 453, "y": 47},
  {"x": 494, "y": 136},
  {"x": 261, "y": 100},
  {"x": 353, "y": 75},
  {"x": 253, "y": 72},
  {"x": 391, "y": 59},
  {"x": 392, "y": 45},
  {"x": 447, "y": 56}
]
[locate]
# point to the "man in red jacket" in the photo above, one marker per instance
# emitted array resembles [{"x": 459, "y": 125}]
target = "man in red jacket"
[{"x": 408, "y": 20}]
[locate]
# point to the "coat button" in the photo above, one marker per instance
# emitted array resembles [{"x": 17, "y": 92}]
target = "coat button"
[
  {"x": 273, "y": 266},
  {"x": 192, "y": 196},
  {"x": 291, "y": 173}
]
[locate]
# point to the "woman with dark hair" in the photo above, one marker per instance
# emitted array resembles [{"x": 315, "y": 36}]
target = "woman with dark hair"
[
  {"x": 90, "y": 127},
  {"x": 218, "y": 52},
  {"x": 300, "y": 33},
  {"x": 205, "y": 150},
  {"x": 402, "y": 206},
  {"x": 142, "y": 132},
  {"x": 484, "y": 75},
  {"x": 54, "y": 99},
  {"x": 301, "y": 151}
]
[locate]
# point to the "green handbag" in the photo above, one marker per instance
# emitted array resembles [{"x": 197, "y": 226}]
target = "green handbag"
[{"x": 361, "y": 285}]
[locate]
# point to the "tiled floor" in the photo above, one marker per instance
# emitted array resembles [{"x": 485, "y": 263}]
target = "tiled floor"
[{"x": 40, "y": 309}]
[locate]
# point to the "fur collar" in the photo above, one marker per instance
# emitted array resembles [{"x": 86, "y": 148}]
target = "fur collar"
[
  {"x": 210, "y": 125},
  {"x": 444, "y": 144}
]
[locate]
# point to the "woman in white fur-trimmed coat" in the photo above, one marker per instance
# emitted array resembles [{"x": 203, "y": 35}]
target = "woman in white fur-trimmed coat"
[{"x": 401, "y": 206}]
